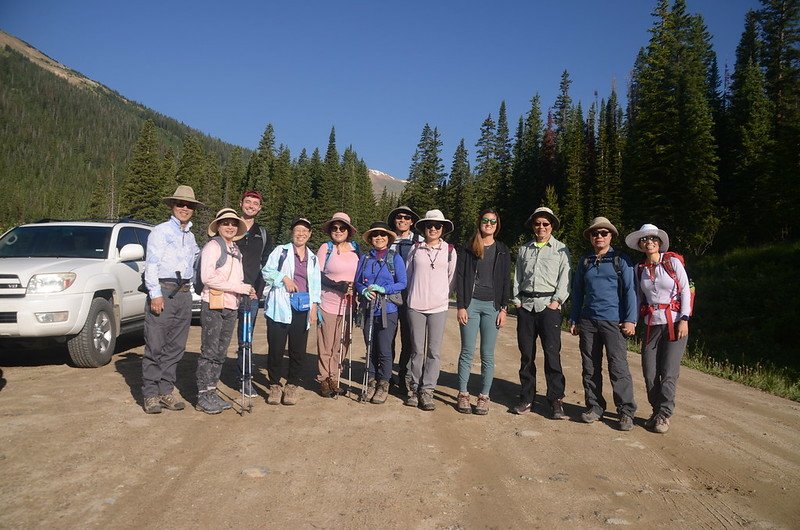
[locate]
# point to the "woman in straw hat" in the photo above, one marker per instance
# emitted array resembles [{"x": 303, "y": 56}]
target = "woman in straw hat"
[
  {"x": 338, "y": 259},
  {"x": 223, "y": 287}
]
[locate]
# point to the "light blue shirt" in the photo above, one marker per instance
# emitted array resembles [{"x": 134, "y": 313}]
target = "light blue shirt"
[
  {"x": 276, "y": 297},
  {"x": 170, "y": 249}
]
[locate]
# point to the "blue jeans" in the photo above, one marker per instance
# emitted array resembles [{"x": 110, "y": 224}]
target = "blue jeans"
[
  {"x": 481, "y": 316},
  {"x": 239, "y": 326}
]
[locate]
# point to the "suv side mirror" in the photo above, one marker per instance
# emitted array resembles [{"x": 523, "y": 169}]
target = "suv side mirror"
[{"x": 131, "y": 252}]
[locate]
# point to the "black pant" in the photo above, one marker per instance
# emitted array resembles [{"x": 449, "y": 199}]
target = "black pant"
[
  {"x": 404, "y": 329},
  {"x": 547, "y": 326},
  {"x": 164, "y": 343},
  {"x": 277, "y": 332}
]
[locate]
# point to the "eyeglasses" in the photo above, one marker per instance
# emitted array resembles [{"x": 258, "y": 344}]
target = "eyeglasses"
[
  {"x": 434, "y": 226},
  {"x": 645, "y": 239},
  {"x": 600, "y": 233},
  {"x": 402, "y": 217},
  {"x": 338, "y": 228},
  {"x": 229, "y": 222},
  {"x": 181, "y": 204},
  {"x": 544, "y": 224},
  {"x": 487, "y": 221}
]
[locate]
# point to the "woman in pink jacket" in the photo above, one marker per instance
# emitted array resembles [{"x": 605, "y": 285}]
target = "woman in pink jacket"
[{"x": 223, "y": 287}]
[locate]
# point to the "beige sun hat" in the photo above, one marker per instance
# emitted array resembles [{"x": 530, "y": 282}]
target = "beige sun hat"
[
  {"x": 434, "y": 216},
  {"x": 632, "y": 239},
  {"x": 379, "y": 226},
  {"x": 343, "y": 218},
  {"x": 182, "y": 193},
  {"x": 543, "y": 211},
  {"x": 600, "y": 222},
  {"x": 227, "y": 213}
]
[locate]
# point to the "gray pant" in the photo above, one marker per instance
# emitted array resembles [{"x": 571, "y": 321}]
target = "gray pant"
[
  {"x": 218, "y": 326},
  {"x": 164, "y": 343},
  {"x": 661, "y": 365},
  {"x": 425, "y": 364},
  {"x": 594, "y": 334}
]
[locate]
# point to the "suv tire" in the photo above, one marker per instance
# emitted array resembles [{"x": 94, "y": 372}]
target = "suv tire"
[{"x": 94, "y": 345}]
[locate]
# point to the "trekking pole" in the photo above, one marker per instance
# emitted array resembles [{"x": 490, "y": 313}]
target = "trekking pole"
[
  {"x": 334, "y": 381},
  {"x": 247, "y": 359},
  {"x": 350, "y": 346},
  {"x": 365, "y": 379}
]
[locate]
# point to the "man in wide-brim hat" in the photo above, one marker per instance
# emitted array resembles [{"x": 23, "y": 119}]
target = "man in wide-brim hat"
[{"x": 171, "y": 254}]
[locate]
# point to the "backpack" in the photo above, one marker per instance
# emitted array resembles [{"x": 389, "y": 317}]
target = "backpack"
[
  {"x": 354, "y": 244},
  {"x": 450, "y": 248},
  {"x": 223, "y": 258},
  {"x": 616, "y": 261},
  {"x": 675, "y": 301}
]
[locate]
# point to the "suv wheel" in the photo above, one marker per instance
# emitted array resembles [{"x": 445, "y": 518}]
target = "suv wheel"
[{"x": 94, "y": 345}]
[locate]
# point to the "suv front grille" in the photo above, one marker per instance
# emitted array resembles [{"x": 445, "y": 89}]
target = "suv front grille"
[
  {"x": 11, "y": 286},
  {"x": 8, "y": 318}
]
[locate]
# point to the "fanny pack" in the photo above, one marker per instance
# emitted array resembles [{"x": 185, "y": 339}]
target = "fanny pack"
[
  {"x": 395, "y": 298},
  {"x": 300, "y": 301}
]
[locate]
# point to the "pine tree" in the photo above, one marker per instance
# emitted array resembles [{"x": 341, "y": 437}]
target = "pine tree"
[
  {"x": 526, "y": 171},
  {"x": 505, "y": 161},
  {"x": 278, "y": 218},
  {"x": 232, "y": 179},
  {"x": 487, "y": 174},
  {"x": 330, "y": 191},
  {"x": 574, "y": 141},
  {"x": 462, "y": 202},
  {"x": 426, "y": 174},
  {"x": 608, "y": 183},
  {"x": 142, "y": 190},
  {"x": 299, "y": 196}
]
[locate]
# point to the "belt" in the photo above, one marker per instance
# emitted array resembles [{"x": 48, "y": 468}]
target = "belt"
[
  {"x": 173, "y": 280},
  {"x": 178, "y": 287},
  {"x": 536, "y": 294}
]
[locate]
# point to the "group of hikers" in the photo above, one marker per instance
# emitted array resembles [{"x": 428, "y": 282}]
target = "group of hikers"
[{"x": 396, "y": 278}]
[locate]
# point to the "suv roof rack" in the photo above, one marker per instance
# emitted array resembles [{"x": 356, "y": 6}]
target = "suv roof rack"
[{"x": 94, "y": 220}]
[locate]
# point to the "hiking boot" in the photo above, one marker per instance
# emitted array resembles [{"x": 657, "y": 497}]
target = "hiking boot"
[
  {"x": 290, "y": 395},
  {"x": 207, "y": 404},
  {"x": 170, "y": 402},
  {"x": 651, "y": 421},
  {"x": 482, "y": 406},
  {"x": 524, "y": 407},
  {"x": 557, "y": 410},
  {"x": 369, "y": 392},
  {"x": 152, "y": 405},
  {"x": 412, "y": 400},
  {"x": 274, "y": 397},
  {"x": 216, "y": 398},
  {"x": 625, "y": 423},
  {"x": 463, "y": 405},
  {"x": 426, "y": 401},
  {"x": 249, "y": 389},
  {"x": 662, "y": 424},
  {"x": 590, "y": 416},
  {"x": 381, "y": 393},
  {"x": 325, "y": 388},
  {"x": 334, "y": 386}
]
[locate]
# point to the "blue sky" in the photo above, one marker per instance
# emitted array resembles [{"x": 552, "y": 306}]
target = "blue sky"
[{"x": 377, "y": 71}]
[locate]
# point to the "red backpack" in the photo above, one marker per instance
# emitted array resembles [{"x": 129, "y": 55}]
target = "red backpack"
[{"x": 674, "y": 303}]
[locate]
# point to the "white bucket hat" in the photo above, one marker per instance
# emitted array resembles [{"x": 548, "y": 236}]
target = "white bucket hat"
[
  {"x": 632, "y": 239},
  {"x": 434, "y": 216}
]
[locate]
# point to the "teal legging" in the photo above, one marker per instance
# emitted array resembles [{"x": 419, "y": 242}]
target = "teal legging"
[{"x": 481, "y": 316}]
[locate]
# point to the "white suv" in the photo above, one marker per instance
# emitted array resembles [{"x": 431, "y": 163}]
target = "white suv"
[{"x": 77, "y": 281}]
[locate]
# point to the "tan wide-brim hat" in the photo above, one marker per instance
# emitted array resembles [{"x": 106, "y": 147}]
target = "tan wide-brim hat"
[
  {"x": 632, "y": 239},
  {"x": 227, "y": 213},
  {"x": 379, "y": 226},
  {"x": 600, "y": 222},
  {"x": 434, "y": 216},
  {"x": 343, "y": 218},
  {"x": 182, "y": 193},
  {"x": 542, "y": 211},
  {"x": 402, "y": 209}
]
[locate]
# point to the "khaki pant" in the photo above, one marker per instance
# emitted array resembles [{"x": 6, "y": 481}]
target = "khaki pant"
[{"x": 329, "y": 334}]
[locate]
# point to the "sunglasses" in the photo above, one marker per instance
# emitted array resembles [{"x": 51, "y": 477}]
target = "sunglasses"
[
  {"x": 434, "y": 226},
  {"x": 380, "y": 234},
  {"x": 181, "y": 204},
  {"x": 645, "y": 239},
  {"x": 487, "y": 221},
  {"x": 338, "y": 228},
  {"x": 541, "y": 224},
  {"x": 229, "y": 222},
  {"x": 402, "y": 217},
  {"x": 600, "y": 233}
]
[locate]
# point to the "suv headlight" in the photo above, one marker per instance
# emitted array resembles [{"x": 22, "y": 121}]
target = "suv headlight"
[{"x": 50, "y": 283}]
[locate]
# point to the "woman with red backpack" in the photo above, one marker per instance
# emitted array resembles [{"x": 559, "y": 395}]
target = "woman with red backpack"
[{"x": 662, "y": 287}]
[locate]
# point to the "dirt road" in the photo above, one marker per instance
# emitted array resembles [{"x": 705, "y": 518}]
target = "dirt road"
[{"x": 77, "y": 451}]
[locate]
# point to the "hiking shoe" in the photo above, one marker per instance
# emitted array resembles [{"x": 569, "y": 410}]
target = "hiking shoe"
[
  {"x": 274, "y": 397},
  {"x": 369, "y": 392},
  {"x": 290, "y": 395},
  {"x": 662, "y": 424},
  {"x": 524, "y": 407},
  {"x": 325, "y": 388},
  {"x": 426, "y": 401},
  {"x": 249, "y": 389},
  {"x": 216, "y": 398},
  {"x": 482, "y": 407},
  {"x": 412, "y": 400},
  {"x": 207, "y": 404},
  {"x": 651, "y": 421},
  {"x": 590, "y": 416},
  {"x": 170, "y": 402},
  {"x": 381, "y": 393},
  {"x": 625, "y": 423},
  {"x": 334, "y": 386},
  {"x": 463, "y": 405},
  {"x": 152, "y": 405},
  {"x": 557, "y": 410}
]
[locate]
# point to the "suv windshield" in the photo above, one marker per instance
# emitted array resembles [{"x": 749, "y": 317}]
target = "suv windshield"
[{"x": 56, "y": 241}]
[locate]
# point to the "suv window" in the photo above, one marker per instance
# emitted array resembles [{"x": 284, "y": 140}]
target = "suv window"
[{"x": 60, "y": 241}]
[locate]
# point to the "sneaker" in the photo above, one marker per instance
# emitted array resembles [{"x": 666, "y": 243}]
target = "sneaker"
[
  {"x": 482, "y": 407},
  {"x": 524, "y": 407},
  {"x": 463, "y": 405},
  {"x": 651, "y": 421},
  {"x": 152, "y": 405},
  {"x": 290, "y": 395},
  {"x": 207, "y": 404},
  {"x": 662, "y": 424},
  {"x": 214, "y": 395},
  {"x": 412, "y": 400},
  {"x": 557, "y": 410},
  {"x": 381, "y": 393},
  {"x": 274, "y": 397},
  {"x": 249, "y": 389},
  {"x": 625, "y": 423},
  {"x": 170, "y": 402},
  {"x": 590, "y": 416},
  {"x": 369, "y": 392},
  {"x": 426, "y": 401}
]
